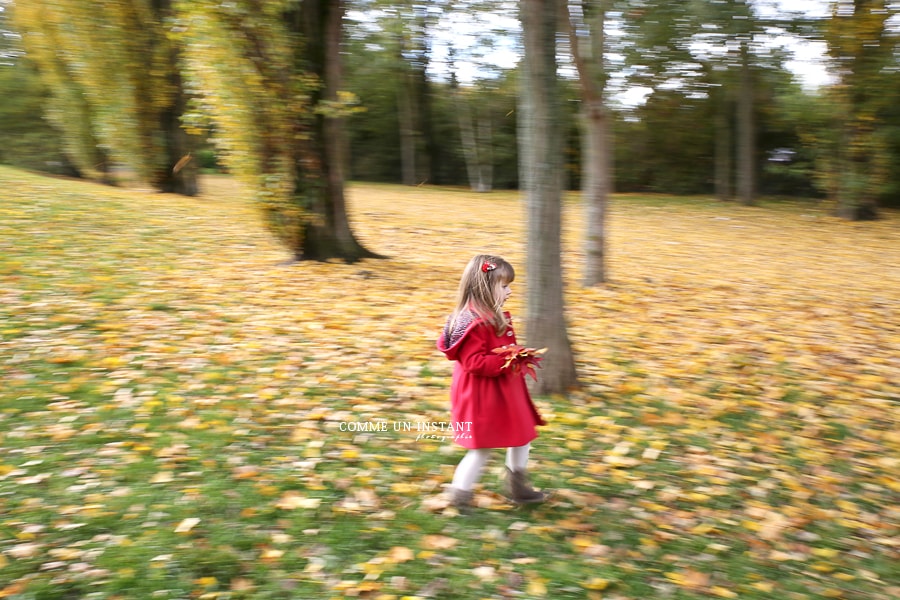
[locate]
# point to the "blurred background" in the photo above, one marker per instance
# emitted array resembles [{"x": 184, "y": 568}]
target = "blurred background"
[{"x": 736, "y": 98}]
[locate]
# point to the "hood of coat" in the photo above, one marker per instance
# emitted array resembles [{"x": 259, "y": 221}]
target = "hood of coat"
[
  {"x": 449, "y": 341},
  {"x": 450, "y": 338}
]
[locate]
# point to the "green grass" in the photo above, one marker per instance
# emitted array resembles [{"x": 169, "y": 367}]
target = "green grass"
[{"x": 169, "y": 386}]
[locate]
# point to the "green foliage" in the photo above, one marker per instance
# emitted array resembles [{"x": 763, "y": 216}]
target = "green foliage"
[
  {"x": 106, "y": 77},
  {"x": 669, "y": 148},
  {"x": 29, "y": 141},
  {"x": 67, "y": 108},
  {"x": 787, "y": 118},
  {"x": 207, "y": 160},
  {"x": 115, "y": 90},
  {"x": 890, "y": 195},
  {"x": 244, "y": 67},
  {"x": 374, "y": 135},
  {"x": 862, "y": 48}
]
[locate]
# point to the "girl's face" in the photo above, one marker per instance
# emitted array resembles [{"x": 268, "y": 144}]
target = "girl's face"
[{"x": 505, "y": 293}]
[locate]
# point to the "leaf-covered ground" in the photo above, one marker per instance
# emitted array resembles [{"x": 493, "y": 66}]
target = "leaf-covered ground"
[{"x": 176, "y": 399}]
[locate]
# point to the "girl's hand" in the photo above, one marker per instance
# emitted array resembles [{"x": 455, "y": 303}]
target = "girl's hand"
[{"x": 521, "y": 359}]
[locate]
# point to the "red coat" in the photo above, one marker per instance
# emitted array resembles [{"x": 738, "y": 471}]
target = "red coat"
[{"x": 494, "y": 401}]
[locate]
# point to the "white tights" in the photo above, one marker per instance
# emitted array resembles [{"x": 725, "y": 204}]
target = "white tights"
[{"x": 469, "y": 469}]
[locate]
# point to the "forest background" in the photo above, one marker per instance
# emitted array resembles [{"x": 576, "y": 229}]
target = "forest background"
[
  {"x": 714, "y": 77},
  {"x": 176, "y": 394}
]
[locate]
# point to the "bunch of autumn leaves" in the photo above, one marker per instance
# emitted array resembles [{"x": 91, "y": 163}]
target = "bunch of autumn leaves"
[{"x": 521, "y": 359}]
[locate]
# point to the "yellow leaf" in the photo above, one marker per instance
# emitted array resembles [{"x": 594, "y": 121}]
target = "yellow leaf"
[
  {"x": 292, "y": 500},
  {"x": 674, "y": 577},
  {"x": 191, "y": 423},
  {"x": 61, "y": 554},
  {"x": 722, "y": 592},
  {"x": 241, "y": 585},
  {"x": 582, "y": 541},
  {"x": 24, "y": 550},
  {"x": 267, "y": 490},
  {"x": 651, "y": 453},
  {"x": 13, "y": 589},
  {"x": 773, "y": 526},
  {"x": 537, "y": 587},
  {"x": 596, "y": 583},
  {"x": 702, "y": 528},
  {"x": 620, "y": 461},
  {"x": 187, "y": 525},
  {"x": 404, "y": 488},
  {"x": 695, "y": 579},
  {"x": 245, "y": 472},
  {"x": 751, "y": 525},
  {"x": 162, "y": 477},
  {"x": 400, "y": 554},
  {"x": 438, "y": 542}
]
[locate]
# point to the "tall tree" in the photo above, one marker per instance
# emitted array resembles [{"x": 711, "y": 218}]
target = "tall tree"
[
  {"x": 746, "y": 130},
  {"x": 29, "y": 141},
  {"x": 122, "y": 63},
  {"x": 585, "y": 21},
  {"x": 474, "y": 117},
  {"x": 67, "y": 107},
  {"x": 541, "y": 160},
  {"x": 414, "y": 98},
  {"x": 861, "y": 47},
  {"x": 269, "y": 75},
  {"x": 397, "y": 33},
  {"x": 472, "y": 28},
  {"x": 723, "y": 142},
  {"x": 714, "y": 49}
]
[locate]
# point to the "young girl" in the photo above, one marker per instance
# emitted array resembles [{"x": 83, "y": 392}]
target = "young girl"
[{"x": 486, "y": 391}]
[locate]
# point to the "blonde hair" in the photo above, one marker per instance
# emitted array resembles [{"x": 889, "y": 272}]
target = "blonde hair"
[{"x": 481, "y": 290}]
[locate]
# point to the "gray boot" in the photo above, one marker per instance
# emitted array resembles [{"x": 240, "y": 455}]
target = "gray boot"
[
  {"x": 519, "y": 490},
  {"x": 461, "y": 499}
]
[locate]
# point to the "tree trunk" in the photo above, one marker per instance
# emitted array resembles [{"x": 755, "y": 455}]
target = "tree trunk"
[
  {"x": 723, "y": 149},
  {"x": 856, "y": 196},
  {"x": 67, "y": 108},
  {"x": 542, "y": 149},
  {"x": 478, "y": 166},
  {"x": 746, "y": 133},
  {"x": 485, "y": 153},
  {"x": 596, "y": 191},
  {"x": 328, "y": 234},
  {"x": 421, "y": 86},
  {"x": 178, "y": 174},
  {"x": 597, "y": 140},
  {"x": 859, "y": 212},
  {"x": 467, "y": 139},
  {"x": 407, "y": 129}
]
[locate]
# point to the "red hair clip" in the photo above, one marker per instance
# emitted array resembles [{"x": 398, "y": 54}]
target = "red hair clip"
[{"x": 487, "y": 266}]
